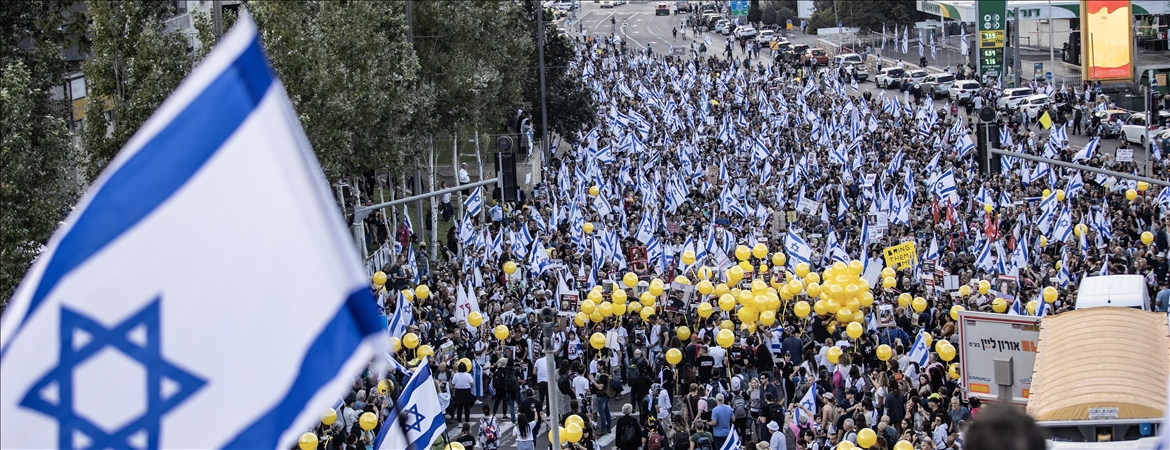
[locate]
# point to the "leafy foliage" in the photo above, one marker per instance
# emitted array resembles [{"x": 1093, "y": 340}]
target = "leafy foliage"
[
  {"x": 570, "y": 106},
  {"x": 352, "y": 78},
  {"x": 36, "y": 155},
  {"x": 134, "y": 65},
  {"x": 867, "y": 15}
]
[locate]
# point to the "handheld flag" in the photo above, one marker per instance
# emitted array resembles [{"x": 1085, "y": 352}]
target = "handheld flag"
[
  {"x": 733, "y": 442},
  {"x": 184, "y": 325},
  {"x": 474, "y": 202},
  {"x": 417, "y": 419}
]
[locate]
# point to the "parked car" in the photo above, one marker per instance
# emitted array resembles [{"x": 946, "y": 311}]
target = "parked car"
[
  {"x": 766, "y": 37},
  {"x": 858, "y": 71},
  {"x": 1135, "y": 127},
  {"x": 1111, "y": 121},
  {"x": 797, "y": 51},
  {"x": 710, "y": 19},
  {"x": 565, "y": 5},
  {"x": 916, "y": 76},
  {"x": 746, "y": 32},
  {"x": 723, "y": 26},
  {"x": 938, "y": 85},
  {"x": 707, "y": 8},
  {"x": 682, "y": 7},
  {"x": 662, "y": 10},
  {"x": 607, "y": 4},
  {"x": 890, "y": 77},
  {"x": 847, "y": 58},
  {"x": 962, "y": 91},
  {"x": 1033, "y": 104},
  {"x": 1163, "y": 139},
  {"x": 818, "y": 56},
  {"x": 1011, "y": 97}
]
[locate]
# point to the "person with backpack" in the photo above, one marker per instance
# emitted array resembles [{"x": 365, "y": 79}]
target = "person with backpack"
[
  {"x": 629, "y": 431},
  {"x": 489, "y": 431},
  {"x": 739, "y": 410},
  {"x": 679, "y": 435},
  {"x": 602, "y": 392},
  {"x": 702, "y": 439}
]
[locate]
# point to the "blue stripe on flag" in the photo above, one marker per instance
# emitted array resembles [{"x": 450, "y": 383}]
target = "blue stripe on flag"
[
  {"x": 324, "y": 359},
  {"x": 156, "y": 171}
]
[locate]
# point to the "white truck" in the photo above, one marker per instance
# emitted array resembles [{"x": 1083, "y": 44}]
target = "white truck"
[{"x": 1126, "y": 291}]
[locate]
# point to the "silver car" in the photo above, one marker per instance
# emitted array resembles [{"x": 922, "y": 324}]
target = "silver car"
[{"x": 938, "y": 85}]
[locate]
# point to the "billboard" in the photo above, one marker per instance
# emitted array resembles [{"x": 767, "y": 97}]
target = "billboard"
[
  {"x": 992, "y": 23},
  {"x": 1106, "y": 35},
  {"x": 987, "y": 336}
]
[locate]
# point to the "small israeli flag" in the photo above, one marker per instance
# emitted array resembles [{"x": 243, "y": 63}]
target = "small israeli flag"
[
  {"x": 416, "y": 420},
  {"x": 733, "y": 442},
  {"x": 474, "y": 202},
  {"x": 122, "y": 336},
  {"x": 919, "y": 351},
  {"x": 403, "y": 317}
]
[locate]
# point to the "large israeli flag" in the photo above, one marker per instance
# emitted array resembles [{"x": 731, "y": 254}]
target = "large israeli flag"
[
  {"x": 919, "y": 351},
  {"x": 474, "y": 202},
  {"x": 798, "y": 250},
  {"x": 416, "y": 420},
  {"x": 122, "y": 335}
]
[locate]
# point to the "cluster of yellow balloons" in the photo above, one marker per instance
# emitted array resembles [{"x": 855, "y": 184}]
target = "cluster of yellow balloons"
[
  {"x": 596, "y": 308},
  {"x": 840, "y": 292},
  {"x": 572, "y": 429}
]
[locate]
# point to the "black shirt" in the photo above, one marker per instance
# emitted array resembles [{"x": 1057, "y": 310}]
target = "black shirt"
[{"x": 705, "y": 363}]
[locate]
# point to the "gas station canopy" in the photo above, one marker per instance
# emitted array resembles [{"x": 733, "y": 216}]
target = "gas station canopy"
[{"x": 964, "y": 10}]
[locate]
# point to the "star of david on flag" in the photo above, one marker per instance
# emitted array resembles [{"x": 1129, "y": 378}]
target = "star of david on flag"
[
  {"x": 416, "y": 420},
  {"x": 121, "y": 336}
]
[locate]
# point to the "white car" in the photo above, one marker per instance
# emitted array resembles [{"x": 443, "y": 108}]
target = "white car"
[
  {"x": 765, "y": 37},
  {"x": 1011, "y": 97},
  {"x": 962, "y": 90},
  {"x": 746, "y": 32},
  {"x": 847, "y": 58},
  {"x": 890, "y": 77},
  {"x": 607, "y": 3},
  {"x": 1033, "y": 104},
  {"x": 1135, "y": 127},
  {"x": 565, "y": 5},
  {"x": 916, "y": 76},
  {"x": 723, "y": 27}
]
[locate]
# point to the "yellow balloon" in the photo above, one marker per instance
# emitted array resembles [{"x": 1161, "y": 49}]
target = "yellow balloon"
[
  {"x": 884, "y": 352},
  {"x": 509, "y": 267},
  {"x": 866, "y": 438},
  {"x": 988, "y": 208},
  {"x": 647, "y": 299},
  {"x": 682, "y": 280},
  {"x": 673, "y": 356},
  {"x": 646, "y": 313},
  {"x": 575, "y": 419},
  {"x": 853, "y": 304},
  {"x": 784, "y": 292},
  {"x": 368, "y": 421},
  {"x": 564, "y": 435},
  {"x": 955, "y": 310},
  {"x": 395, "y": 344},
  {"x": 501, "y": 332},
  {"x": 1043, "y": 241},
  {"x": 422, "y": 292},
  {"x": 725, "y": 338},
  {"x": 1031, "y": 307},
  {"x": 605, "y": 308},
  {"x": 705, "y": 310},
  {"x": 801, "y": 309},
  {"x": 802, "y": 269},
  {"x": 634, "y": 309},
  {"x": 597, "y": 341},
  {"x": 746, "y": 297},
  {"x": 474, "y": 318},
  {"x": 742, "y": 252},
  {"x": 1060, "y": 193},
  {"x": 845, "y": 445},
  {"x": 851, "y": 290},
  {"x": 919, "y": 304},
  {"x": 618, "y": 296},
  {"x": 594, "y": 190},
  {"x": 836, "y": 291},
  {"x": 820, "y": 307},
  {"x": 573, "y": 432},
  {"x": 833, "y": 306},
  {"x": 656, "y": 287},
  {"x": 1046, "y": 193},
  {"x": 903, "y": 445},
  {"x": 904, "y": 299},
  {"x": 1147, "y": 237},
  {"x": 1050, "y": 294},
  {"x": 580, "y": 318},
  {"x": 379, "y": 278},
  {"x": 721, "y": 289},
  {"x": 834, "y": 354},
  {"x": 866, "y": 299},
  {"x": 964, "y": 290},
  {"x": 587, "y": 306},
  {"x": 1130, "y": 194},
  {"x": 726, "y": 302},
  {"x": 953, "y": 371},
  {"x": 889, "y": 282},
  {"x": 408, "y": 294},
  {"x": 844, "y": 315},
  {"x": 619, "y": 310},
  {"x": 855, "y": 268},
  {"x": 683, "y": 333},
  {"x": 630, "y": 279},
  {"x": 767, "y": 318},
  {"x": 734, "y": 274},
  {"x": 854, "y": 330},
  {"x": 688, "y": 257},
  {"x": 704, "y": 273},
  {"x": 888, "y": 272},
  {"x": 761, "y": 302},
  {"x": 999, "y": 305},
  {"x": 308, "y": 441},
  {"x": 947, "y": 352},
  {"x": 813, "y": 289},
  {"x": 1080, "y": 229},
  {"x": 778, "y": 259},
  {"x": 984, "y": 287},
  {"x": 726, "y": 324},
  {"x": 926, "y": 337},
  {"x": 760, "y": 250},
  {"x": 329, "y": 417},
  {"x": 410, "y": 340},
  {"x": 594, "y": 295},
  {"x": 425, "y": 351},
  {"x": 746, "y": 314},
  {"x": 596, "y": 317},
  {"x": 705, "y": 287},
  {"x": 759, "y": 286}
]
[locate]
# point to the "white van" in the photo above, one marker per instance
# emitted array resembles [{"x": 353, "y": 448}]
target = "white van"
[{"x": 1126, "y": 291}]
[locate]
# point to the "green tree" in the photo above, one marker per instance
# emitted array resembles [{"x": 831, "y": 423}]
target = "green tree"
[
  {"x": 134, "y": 65},
  {"x": 570, "y": 103},
  {"x": 754, "y": 11},
  {"x": 36, "y": 155},
  {"x": 352, "y": 78},
  {"x": 867, "y": 15}
]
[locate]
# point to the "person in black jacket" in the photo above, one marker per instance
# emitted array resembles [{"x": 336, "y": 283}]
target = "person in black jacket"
[{"x": 630, "y": 435}]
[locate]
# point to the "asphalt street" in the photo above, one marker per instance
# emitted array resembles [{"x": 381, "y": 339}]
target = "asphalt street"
[{"x": 642, "y": 27}]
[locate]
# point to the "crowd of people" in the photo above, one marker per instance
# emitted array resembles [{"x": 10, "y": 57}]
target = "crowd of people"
[{"x": 692, "y": 158}]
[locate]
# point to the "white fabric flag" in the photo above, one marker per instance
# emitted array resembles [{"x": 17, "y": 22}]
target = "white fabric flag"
[
  {"x": 416, "y": 420},
  {"x": 122, "y": 336}
]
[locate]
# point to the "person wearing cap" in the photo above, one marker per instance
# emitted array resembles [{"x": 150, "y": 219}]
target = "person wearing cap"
[{"x": 777, "y": 441}]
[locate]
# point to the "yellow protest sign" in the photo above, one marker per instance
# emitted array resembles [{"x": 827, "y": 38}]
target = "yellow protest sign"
[
  {"x": 1046, "y": 120},
  {"x": 901, "y": 256}
]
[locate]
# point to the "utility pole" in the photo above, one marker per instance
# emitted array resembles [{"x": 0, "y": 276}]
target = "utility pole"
[
  {"x": 840, "y": 39},
  {"x": 1051, "y": 45},
  {"x": 217, "y": 18},
  {"x": 540, "y": 57},
  {"x": 1015, "y": 24}
]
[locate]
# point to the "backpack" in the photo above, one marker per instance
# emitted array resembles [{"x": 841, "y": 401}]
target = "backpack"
[
  {"x": 654, "y": 442},
  {"x": 628, "y": 434},
  {"x": 703, "y": 441},
  {"x": 614, "y": 390},
  {"x": 680, "y": 441},
  {"x": 564, "y": 385},
  {"x": 739, "y": 405}
]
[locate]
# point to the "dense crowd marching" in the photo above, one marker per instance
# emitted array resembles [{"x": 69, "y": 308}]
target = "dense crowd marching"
[{"x": 704, "y": 180}]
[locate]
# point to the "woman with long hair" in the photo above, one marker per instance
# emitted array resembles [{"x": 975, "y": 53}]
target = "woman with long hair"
[{"x": 524, "y": 433}]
